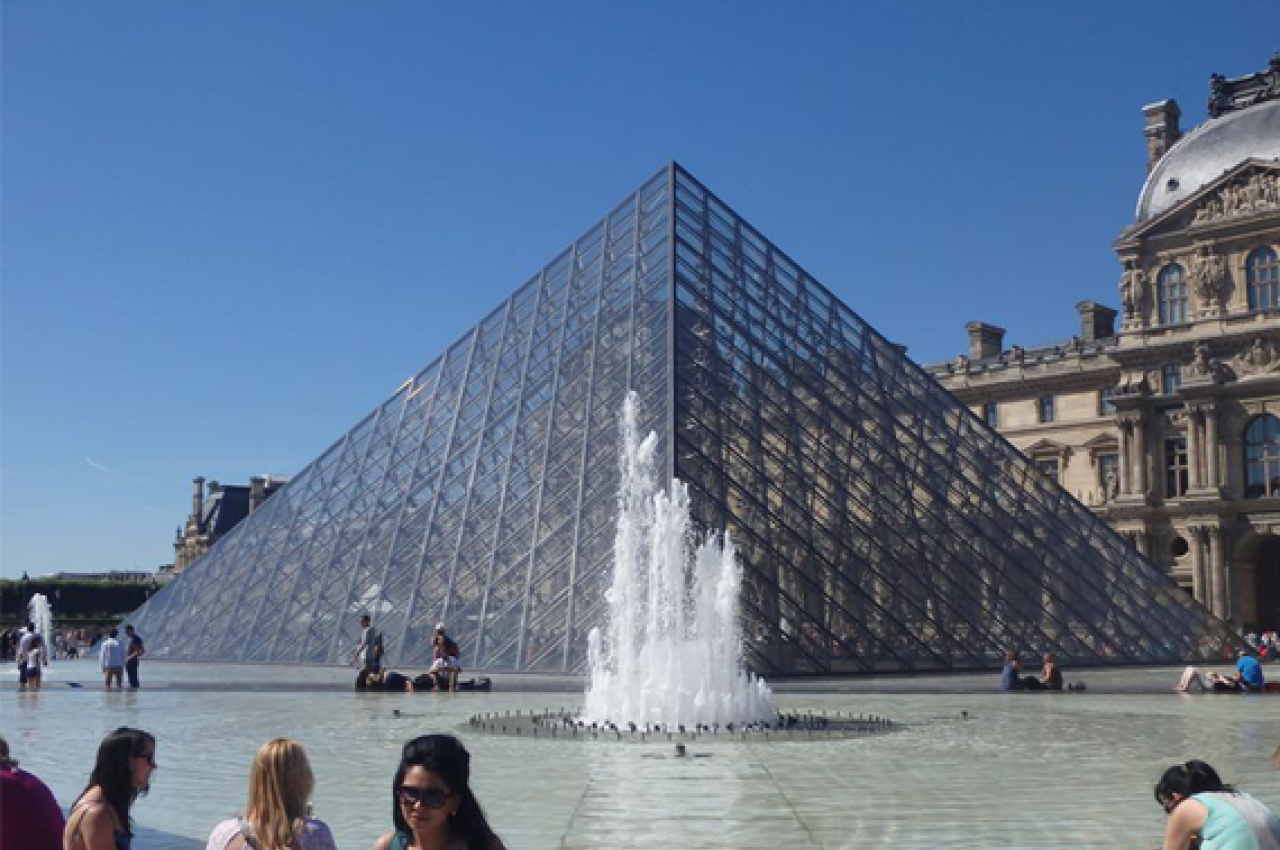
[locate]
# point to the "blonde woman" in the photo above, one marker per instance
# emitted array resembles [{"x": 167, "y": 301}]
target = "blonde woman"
[{"x": 280, "y": 785}]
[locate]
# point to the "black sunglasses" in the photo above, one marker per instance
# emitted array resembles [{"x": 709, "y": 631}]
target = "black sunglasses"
[{"x": 432, "y": 798}]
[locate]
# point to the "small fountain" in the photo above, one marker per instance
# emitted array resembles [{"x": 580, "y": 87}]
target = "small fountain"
[
  {"x": 668, "y": 665},
  {"x": 672, "y": 651},
  {"x": 42, "y": 617}
]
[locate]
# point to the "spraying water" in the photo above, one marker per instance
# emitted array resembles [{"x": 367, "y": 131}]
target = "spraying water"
[
  {"x": 672, "y": 651},
  {"x": 42, "y": 617}
]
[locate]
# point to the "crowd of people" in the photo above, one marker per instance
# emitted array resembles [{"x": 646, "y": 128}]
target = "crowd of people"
[
  {"x": 116, "y": 657},
  {"x": 432, "y": 805},
  {"x": 64, "y": 645}
]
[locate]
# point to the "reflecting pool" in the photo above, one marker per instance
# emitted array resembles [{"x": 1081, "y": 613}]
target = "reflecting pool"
[{"x": 1023, "y": 771}]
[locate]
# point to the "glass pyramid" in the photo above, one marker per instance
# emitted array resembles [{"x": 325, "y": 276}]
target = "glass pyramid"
[{"x": 883, "y": 527}]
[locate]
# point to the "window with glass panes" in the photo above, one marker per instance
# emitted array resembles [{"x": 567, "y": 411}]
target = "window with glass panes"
[
  {"x": 1171, "y": 295},
  {"x": 1108, "y": 468},
  {"x": 991, "y": 413},
  {"x": 1107, "y": 401},
  {"x": 1262, "y": 457},
  {"x": 1170, "y": 378},
  {"x": 1050, "y": 468},
  {"x": 1044, "y": 408},
  {"x": 1175, "y": 467},
  {"x": 1262, "y": 273}
]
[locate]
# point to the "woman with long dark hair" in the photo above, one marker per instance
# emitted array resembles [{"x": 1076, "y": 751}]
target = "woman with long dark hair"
[
  {"x": 1207, "y": 813},
  {"x": 431, "y": 800},
  {"x": 99, "y": 817}
]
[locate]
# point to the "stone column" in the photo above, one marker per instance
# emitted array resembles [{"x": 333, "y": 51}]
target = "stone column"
[
  {"x": 1199, "y": 586},
  {"x": 1126, "y": 458},
  {"x": 1218, "y": 574},
  {"x": 1140, "y": 451},
  {"x": 1193, "y": 448},
  {"x": 1211, "y": 446}
]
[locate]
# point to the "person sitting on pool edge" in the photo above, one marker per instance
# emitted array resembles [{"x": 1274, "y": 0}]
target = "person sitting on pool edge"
[{"x": 1208, "y": 814}]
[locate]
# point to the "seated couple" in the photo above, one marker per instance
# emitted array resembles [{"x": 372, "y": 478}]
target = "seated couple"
[
  {"x": 1247, "y": 678},
  {"x": 1050, "y": 675},
  {"x": 390, "y": 680}
]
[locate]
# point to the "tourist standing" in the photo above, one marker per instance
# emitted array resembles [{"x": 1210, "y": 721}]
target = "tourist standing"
[
  {"x": 30, "y": 818},
  {"x": 99, "y": 818},
  {"x": 111, "y": 655},
  {"x": 1206, "y": 813},
  {"x": 431, "y": 802},
  {"x": 37, "y": 658},
  {"x": 24, "y": 644},
  {"x": 135, "y": 652},
  {"x": 368, "y": 653},
  {"x": 275, "y": 818}
]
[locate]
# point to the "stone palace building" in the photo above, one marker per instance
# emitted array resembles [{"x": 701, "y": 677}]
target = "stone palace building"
[{"x": 1168, "y": 426}]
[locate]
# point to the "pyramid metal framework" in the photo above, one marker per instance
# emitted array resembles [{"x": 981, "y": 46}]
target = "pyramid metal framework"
[{"x": 882, "y": 526}]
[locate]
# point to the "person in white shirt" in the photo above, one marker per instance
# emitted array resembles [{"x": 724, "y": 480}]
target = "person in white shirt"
[
  {"x": 112, "y": 658},
  {"x": 37, "y": 658},
  {"x": 24, "y": 646}
]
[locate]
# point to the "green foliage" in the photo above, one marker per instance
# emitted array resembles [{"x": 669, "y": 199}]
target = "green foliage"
[{"x": 74, "y": 599}]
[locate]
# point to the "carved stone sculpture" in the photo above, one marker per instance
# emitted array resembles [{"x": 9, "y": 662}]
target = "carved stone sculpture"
[
  {"x": 1209, "y": 274},
  {"x": 1260, "y": 359},
  {"x": 1132, "y": 289},
  {"x": 1112, "y": 486},
  {"x": 1257, "y": 192},
  {"x": 1200, "y": 367}
]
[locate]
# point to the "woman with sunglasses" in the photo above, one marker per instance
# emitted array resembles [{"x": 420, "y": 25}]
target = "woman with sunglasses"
[
  {"x": 1208, "y": 814},
  {"x": 275, "y": 818},
  {"x": 99, "y": 818},
  {"x": 432, "y": 804}
]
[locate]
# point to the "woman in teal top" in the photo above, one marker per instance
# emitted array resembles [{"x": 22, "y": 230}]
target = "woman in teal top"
[
  {"x": 1214, "y": 816},
  {"x": 431, "y": 801}
]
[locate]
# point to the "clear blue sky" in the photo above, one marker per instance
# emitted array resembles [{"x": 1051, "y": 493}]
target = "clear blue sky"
[{"x": 232, "y": 228}]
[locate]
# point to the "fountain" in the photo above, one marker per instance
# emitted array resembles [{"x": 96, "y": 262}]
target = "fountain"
[
  {"x": 42, "y": 616},
  {"x": 668, "y": 665},
  {"x": 671, "y": 654}
]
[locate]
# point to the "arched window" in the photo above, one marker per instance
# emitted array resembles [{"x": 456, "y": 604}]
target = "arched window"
[
  {"x": 1171, "y": 294},
  {"x": 1262, "y": 272},
  {"x": 1262, "y": 457}
]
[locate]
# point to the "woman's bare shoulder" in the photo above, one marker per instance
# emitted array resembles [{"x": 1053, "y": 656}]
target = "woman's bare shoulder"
[{"x": 384, "y": 842}]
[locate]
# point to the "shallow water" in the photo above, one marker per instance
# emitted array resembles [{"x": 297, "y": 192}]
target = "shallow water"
[{"x": 1025, "y": 771}]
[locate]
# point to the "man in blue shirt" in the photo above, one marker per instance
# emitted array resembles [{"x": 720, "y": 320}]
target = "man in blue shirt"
[{"x": 1249, "y": 671}]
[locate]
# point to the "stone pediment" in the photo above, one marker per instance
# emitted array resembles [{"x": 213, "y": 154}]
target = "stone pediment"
[
  {"x": 1100, "y": 443},
  {"x": 1251, "y": 188},
  {"x": 1047, "y": 448}
]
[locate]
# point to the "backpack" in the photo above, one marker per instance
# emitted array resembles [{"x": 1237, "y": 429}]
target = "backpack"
[
  {"x": 375, "y": 646},
  {"x": 451, "y": 648}
]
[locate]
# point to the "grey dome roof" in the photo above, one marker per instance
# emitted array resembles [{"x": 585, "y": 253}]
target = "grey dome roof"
[{"x": 1202, "y": 155}]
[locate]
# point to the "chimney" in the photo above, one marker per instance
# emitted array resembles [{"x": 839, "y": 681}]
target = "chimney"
[
  {"x": 197, "y": 503},
  {"x": 984, "y": 340},
  {"x": 1096, "y": 322},
  {"x": 257, "y": 492},
  {"x": 1161, "y": 129}
]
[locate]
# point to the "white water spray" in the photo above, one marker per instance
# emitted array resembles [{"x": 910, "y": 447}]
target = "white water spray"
[
  {"x": 672, "y": 652},
  {"x": 42, "y": 618}
]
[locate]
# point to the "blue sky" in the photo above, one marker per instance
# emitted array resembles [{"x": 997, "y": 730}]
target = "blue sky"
[{"x": 230, "y": 229}]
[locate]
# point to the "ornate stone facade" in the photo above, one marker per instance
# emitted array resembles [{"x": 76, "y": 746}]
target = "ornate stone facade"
[
  {"x": 213, "y": 516},
  {"x": 1169, "y": 427}
]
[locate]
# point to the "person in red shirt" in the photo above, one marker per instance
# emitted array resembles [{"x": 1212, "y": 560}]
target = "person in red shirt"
[{"x": 30, "y": 818}]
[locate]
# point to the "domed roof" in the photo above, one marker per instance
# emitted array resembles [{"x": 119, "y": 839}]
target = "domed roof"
[{"x": 1201, "y": 156}]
